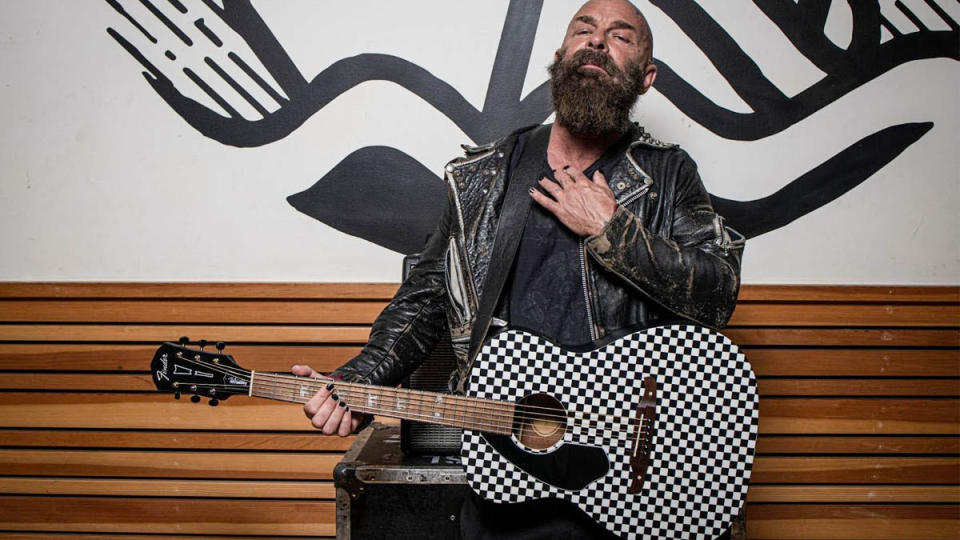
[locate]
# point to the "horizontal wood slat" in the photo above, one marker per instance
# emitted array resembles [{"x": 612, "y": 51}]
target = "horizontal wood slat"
[
  {"x": 834, "y": 337},
  {"x": 359, "y": 334},
  {"x": 854, "y": 362},
  {"x": 856, "y": 387},
  {"x": 195, "y": 311},
  {"x": 852, "y": 444},
  {"x": 311, "y": 441},
  {"x": 161, "y": 333},
  {"x": 81, "y": 536},
  {"x": 845, "y": 315},
  {"x": 853, "y": 494},
  {"x": 855, "y": 470},
  {"x": 319, "y": 466},
  {"x": 189, "y": 291},
  {"x": 852, "y": 522},
  {"x": 162, "y": 464},
  {"x": 860, "y": 416},
  {"x": 168, "y": 516},
  {"x": 385, "y": 291},
  {"x": 364, "y": 312},
  {"x": 848, "y": 293},
  {"x": 105, "y": 357},
  {"x": 144, "y": 487}
]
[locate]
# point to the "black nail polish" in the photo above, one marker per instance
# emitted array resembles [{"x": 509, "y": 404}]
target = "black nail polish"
[
  {"x": 343, "y": 403},
  {"x": 335, "y": 397},
  {"x": 330, "y": 386},
  {"x": 529, "y": 190}
]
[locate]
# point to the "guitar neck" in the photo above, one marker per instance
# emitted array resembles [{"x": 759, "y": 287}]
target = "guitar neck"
[{"x": 416, "y": 405}]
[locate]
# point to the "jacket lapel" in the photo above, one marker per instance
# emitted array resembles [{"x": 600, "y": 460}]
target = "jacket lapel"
[{"x": 513, "y": 216}]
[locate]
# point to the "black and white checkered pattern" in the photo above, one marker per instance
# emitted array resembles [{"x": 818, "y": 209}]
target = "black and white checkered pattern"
[{"x": 706, "y": 426}]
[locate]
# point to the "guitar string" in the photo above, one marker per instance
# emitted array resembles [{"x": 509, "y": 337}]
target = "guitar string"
[
  {"x": 419, "y": 395},
  {"x": 487, "y": 427},
  {"x": 488, "y": 415},
  {"x": 492, "y": 409},
  {"x": 492, "y": 421},
  {"x": 522, "y": 412}
]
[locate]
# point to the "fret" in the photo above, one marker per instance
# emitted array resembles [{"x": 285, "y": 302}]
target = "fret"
[
  {"x": 390, "y": 402},
  {"x": 416, "y": 405}
]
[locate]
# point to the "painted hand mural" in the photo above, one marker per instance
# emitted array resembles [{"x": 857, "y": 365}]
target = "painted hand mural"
[{"x": 405, "y": 198}]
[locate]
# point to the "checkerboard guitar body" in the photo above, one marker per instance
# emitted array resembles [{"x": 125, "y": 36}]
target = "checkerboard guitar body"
[{"x": 704, "y": 436}]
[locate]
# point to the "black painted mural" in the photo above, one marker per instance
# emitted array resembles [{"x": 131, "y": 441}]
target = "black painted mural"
[{"x": 402, "y": 199}]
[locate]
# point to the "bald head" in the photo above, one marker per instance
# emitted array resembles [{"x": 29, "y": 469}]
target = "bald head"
[{"x": 628, "y": 13}]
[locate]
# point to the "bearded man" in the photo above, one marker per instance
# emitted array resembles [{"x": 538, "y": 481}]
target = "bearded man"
[{"x": 573, "y": 231}]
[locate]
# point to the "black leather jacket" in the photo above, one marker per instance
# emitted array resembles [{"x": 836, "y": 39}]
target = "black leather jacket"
[{"x": 665, "y": 254}]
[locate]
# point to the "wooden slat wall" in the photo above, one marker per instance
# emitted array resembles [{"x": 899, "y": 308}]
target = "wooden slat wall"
[{"x": 860, "y": 410}]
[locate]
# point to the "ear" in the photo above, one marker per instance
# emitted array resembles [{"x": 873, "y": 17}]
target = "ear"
[
  {"x": 649, "y": 75},
  {"x": 556, "y": 55}
]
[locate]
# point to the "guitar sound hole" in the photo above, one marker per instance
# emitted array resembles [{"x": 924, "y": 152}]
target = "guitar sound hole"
[{"x": 540, "y": 421}]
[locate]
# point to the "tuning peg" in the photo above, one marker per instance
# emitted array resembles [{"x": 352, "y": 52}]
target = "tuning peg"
[
  {"x": 221, "y": 346},
  {"x": 176, "y": 395},
  {"x": 184, "y": 340},
  {"x": 195, "y": 398},
  {"x": 202, "y": 343},
  {"x": 214, "y": 402}
]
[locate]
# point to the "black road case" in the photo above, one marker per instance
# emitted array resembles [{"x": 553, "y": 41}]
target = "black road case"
[{"x": 382, "y": 493}]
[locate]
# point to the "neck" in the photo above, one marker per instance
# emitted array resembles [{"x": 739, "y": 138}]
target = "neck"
[{"x": 565, "y": 148}]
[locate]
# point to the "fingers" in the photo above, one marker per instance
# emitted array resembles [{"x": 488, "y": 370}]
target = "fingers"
[
  {"x": 332, "y": 425},
  {"x": 316, "y": 404},
  {"x": 544, "y": 200},
  {"x": 551, "y": 187}
]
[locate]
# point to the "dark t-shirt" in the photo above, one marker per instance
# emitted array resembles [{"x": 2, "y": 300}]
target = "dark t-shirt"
[{"x": 546, "y": 287}]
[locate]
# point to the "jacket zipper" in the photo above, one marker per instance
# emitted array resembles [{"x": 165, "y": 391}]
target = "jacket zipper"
[
  {"x": 586, "y": 294},
  {"x": 594, "y": 331}
]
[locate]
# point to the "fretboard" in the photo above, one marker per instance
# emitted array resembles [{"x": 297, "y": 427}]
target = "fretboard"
[{"x": 416, "y": 405}]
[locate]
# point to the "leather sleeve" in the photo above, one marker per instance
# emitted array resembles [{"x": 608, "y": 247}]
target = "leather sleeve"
[
  {"x": 407, "y": 330},
  {"x": 695, "y": 273}
]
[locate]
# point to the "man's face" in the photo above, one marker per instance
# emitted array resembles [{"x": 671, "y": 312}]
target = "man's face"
[
  {"x": 610, "y": 26},
  {"x": 601, "y": 69}
]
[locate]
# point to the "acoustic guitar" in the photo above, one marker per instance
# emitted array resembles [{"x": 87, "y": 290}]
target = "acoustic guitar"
[{"x": 651, "y": 434}]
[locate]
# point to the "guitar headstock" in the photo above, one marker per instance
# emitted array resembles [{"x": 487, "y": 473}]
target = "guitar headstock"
[{"x": 178, "y": 368}]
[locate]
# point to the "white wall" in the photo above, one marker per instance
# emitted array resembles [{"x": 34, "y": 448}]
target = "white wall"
[{"x": 101, "y": 180}]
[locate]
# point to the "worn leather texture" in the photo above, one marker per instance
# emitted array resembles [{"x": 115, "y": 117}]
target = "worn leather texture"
[{"x": 665, "y": 255}]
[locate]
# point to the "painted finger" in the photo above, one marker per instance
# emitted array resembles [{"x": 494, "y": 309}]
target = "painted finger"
[
  {"x": 348, "y": 423},
  {"x": 311, "y": 407},
  {"x": 319, "y": 420},
  {"x": 333, "y": 421}
]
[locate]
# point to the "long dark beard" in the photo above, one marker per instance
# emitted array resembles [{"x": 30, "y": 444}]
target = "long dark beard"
[{"x": 589, "y": 104}]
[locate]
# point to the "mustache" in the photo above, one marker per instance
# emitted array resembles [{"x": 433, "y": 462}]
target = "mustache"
[{"x": 595, "y": 57}]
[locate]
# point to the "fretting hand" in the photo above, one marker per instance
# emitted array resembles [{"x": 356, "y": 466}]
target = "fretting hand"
[
  {"x": 326, "y": 411},
  {"x": 583, "y": 204}
]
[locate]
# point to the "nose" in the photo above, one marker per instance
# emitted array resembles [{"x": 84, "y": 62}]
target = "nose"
[{"x": 598, "y": 41}]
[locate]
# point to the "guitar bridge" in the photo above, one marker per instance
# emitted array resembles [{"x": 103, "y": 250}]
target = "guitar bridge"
[{"x": 643, "y": 437}]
